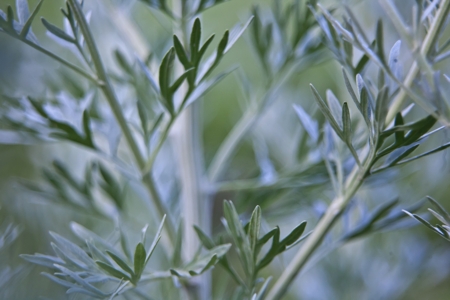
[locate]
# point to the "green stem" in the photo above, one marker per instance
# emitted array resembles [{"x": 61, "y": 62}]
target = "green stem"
[
  {"x": 111, "y": 97},
  {"x": 335, "y": 209},
  {"x": 427, "y": 45}
]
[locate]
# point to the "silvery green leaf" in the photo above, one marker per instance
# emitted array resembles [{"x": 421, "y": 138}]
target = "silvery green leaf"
[
  {"x": 335, "y": 107},
  {"x": 444, "y": 234},
  {"x": 207, "y": 242},
  {"x": 440, "y": 209},
  {"x": 347, "y": 123},
  {"x": 139, "y": 260},
  {"x": 326, "y": 111},
  {"x": 435, "y": 150},
  {"x": 310, "y": 125},
  {"x": 235, "y": 33},
  {"x": 43, "y": 260},
  {"x": 23, "y": 11},
  {"x": 149, "y": 76},
  {"x": 381, "y": 108},
  {"x": 155, "y": 239},
  {"x": 109, "y": 269},
  {"x": 205, "y": 86},
  {"x": 393, "y": 61},
  {"x": 72, "y": 250},
  {"x": 80, "y": 280},
  {"x": 120, "y": 262},
  {"x": 350, "y": 90},
  {"x": 254, "y": 227}
]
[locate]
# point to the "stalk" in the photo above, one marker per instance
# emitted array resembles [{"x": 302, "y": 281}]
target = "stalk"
[
  {"x": 111, "y": 97},
  {"x": 428, "y": 42},
  {"x": 335, "y": 209},
  {"x": 195, "y": 209}
]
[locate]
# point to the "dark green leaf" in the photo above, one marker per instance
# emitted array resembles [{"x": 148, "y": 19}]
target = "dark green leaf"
[
  {"x": 181, "y": 53},
  {"x": 139, "y": 260},
  {"x": 196, "y": 36},
  {"x": 58, "y": 32}
]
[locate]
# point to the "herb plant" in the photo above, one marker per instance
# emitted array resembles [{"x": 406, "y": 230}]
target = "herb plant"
[{"x": 140, "y": 121}]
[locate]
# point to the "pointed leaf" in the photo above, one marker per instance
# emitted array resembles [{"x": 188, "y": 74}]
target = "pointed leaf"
[
  {"x": 254, "y": 227},
  {"x": 57, "y": 32}
]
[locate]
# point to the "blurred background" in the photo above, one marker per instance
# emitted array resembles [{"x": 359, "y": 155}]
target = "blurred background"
[{"x": 408, "y": 263}]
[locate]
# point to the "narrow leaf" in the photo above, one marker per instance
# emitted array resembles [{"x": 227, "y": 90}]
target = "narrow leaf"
[{"x": 57, "y": 32}]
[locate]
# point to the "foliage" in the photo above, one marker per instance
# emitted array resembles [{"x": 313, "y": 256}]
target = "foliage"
[{"x": 378, "y": 125}]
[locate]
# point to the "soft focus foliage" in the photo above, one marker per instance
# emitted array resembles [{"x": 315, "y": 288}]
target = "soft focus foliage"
[{"x": 124, "y": 126}]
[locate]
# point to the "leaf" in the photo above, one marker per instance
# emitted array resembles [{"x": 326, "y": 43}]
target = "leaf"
[
  {"x": 139, "y": 260},
  {"x": 176, "y": 257},
  {"x": 254, "y": 227},
  {"x": 149, "y": 76},
  {"x": 123, "y": 63},
  {"x": 326, "y": 111},
  {"x": 71, "y": 250},
  {"x": 23, "y": 11},
  {"x": 294, "y": 235},
  {"x": 58, "y": 32},
  {"x": 207, "y": 242},
  {"x": 435, "y": 150},
  {"x": 440, "y": 209},
  {"x": 350, "y": 90},
  {"x": 381, "y": 108},
  {"x": 347, "y": 123},
  {"x": 181, "y": 53},
  {"x": 204, "y": 87},
  {"x": 112, "y": 271},
  {"x": 165, "y": 75},
  {"x": 379, "y": 41},
  {"x": 235, "y": 33},
  {"x": 427, "y": 224},
  {"x": 393, "y": 62},
  {"x": 196, "y": 35},
  {"x": 202, "y": 263},
  {"x": 121, "y": 263},
  {"x": 310, "y": 125},
  {"x": 42, "y": 260},
  {"x": 155, "y": 239}
]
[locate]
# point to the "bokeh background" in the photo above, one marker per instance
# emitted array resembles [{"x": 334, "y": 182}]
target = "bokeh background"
[{"x": 410, "y": 263}]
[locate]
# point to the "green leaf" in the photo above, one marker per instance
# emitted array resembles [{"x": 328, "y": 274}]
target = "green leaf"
[
  {"x": 347, "y": 123},
  {"x": 196, "y": 36},
  {"x": 381, "y": 108},
  {"x": 123, "y": 63},
  {"x": 255, "y": 225},
  {"x": 176, "y": 257},
  {"x": 58, "y": 32},
  {"x": 120, "y": 263},
  {"x": 112, "y": 271},
  {"x": 294, "y": 235},
  {"x": 27, "y": 26},
  {"x": 180, "y": 80},
  {"x": 207, "y": 242},
  {"x": 165, "y": 76},
  {"x": 379, "y": 41},
  {"x": 139, "y": 260},
  {"x": 181, "y": 53}
]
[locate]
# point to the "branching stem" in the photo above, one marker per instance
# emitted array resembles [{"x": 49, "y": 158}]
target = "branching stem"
[{"x": 111, "y": 97}]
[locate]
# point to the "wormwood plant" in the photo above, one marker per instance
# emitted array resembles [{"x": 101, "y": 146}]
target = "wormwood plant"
[{"x": 380, "y": 124}]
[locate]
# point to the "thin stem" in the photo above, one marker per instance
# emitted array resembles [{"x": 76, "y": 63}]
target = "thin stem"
[
  {"x": 64, "y": 62},
  {"x": 337, "y": 206},
  {"x": 151, "y": 161},
  {"x": 427, "y": 44},
  {"x": 111, "y": 97}
]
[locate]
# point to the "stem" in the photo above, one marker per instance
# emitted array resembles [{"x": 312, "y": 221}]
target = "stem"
[
  {"x": 427, "y": 44},
  {"x": 149, "y": 165},
  {"x": 111, "y": 97},
  {"x": 64, "y": 62},
  {"x": 335, "y": 209},
  {"x": 196, "y": 210}
]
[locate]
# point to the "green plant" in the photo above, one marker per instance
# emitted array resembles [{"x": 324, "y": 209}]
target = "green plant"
[{"x": 383, "y": 121}]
